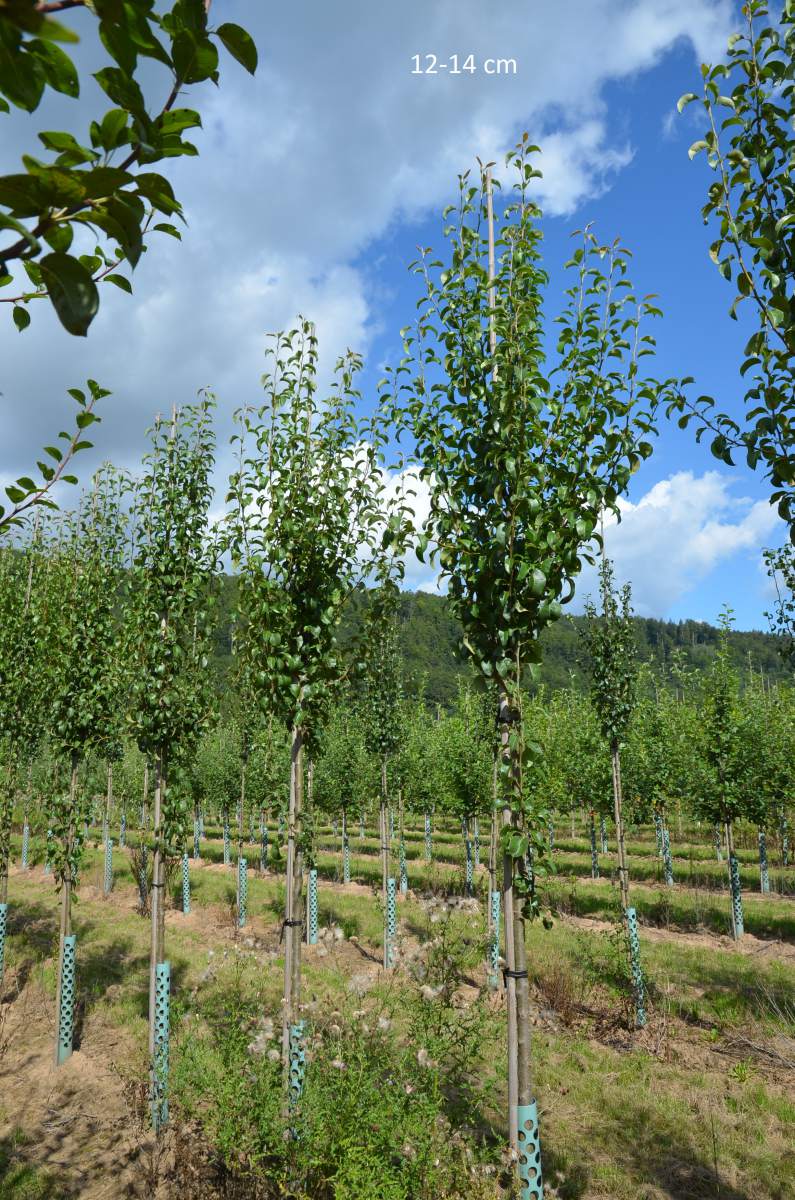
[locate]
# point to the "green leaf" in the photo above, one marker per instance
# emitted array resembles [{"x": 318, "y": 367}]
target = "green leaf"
[
  {"x": 59, "y": 70},
  {"x": 240, "y": 45},
  {"x": 21, "y": 317},
  {"x": 121, "y": 282},
  {"x": 72, "y": 291}
]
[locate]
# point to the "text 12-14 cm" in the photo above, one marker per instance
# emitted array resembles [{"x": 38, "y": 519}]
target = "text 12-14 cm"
[{"x": 430, "y": 64}]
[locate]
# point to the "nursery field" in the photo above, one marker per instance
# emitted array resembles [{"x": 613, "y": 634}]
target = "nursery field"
[{"x": 405, "y": 1074}]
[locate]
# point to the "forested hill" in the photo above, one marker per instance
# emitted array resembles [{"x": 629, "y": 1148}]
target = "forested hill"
[{"x": 429, "y": 640}]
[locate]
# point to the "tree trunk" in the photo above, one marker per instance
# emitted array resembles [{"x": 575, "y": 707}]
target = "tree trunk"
[
  {"x": 66, "y": 900},
  {"x": 293, "y": 899},
  {"x": 623, "y": 869},
  {"x": 158, "y": 892},
  {"x": 508, "y": 905}
]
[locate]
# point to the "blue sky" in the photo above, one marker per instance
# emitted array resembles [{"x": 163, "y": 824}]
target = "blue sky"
[{"x": 316, "y": 182}]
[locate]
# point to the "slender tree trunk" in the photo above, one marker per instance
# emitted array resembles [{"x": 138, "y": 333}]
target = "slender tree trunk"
[
  {"x": 145, "y": 799},
  {"x": 508, "y": 905},
  {"x": 108, "y": 803},
  {"x": 158, "y": 892},
  {"x": 492, "y": 850},
  {"x": 623, "y": 869},
  {"x": 66, "y": 897},
  {"x": 293, "y": 900}
]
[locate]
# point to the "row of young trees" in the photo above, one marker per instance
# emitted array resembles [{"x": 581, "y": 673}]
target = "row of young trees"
[{"x": 522, "y": 462}]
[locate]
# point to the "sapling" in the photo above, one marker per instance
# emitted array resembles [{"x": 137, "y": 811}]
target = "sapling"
[{"x": 519, "y": 468}]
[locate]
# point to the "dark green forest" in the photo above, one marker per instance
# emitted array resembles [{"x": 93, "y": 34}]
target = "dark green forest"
[{"x": 429, "y": 637}]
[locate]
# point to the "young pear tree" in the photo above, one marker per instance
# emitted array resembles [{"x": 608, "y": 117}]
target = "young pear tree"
[
  {"x": 169, "y": 632},
  {"x": 307, "y": 516},
  {"x": 520, "y": 465}
]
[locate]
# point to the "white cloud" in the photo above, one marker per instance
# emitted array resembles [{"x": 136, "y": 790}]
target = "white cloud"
[
  {"x": 675, "y": 536},
  {"x": 331, "y": 146},
  {"x": 666, "y": 544}
]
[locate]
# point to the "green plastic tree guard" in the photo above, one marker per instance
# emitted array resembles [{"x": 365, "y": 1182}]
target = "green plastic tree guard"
[
  {"x": 25, "y": 845},
  {"x": 764, "y": 873},
  {"x": 476, "y": 824},
  {"x": 428, "y": 838},
  {"x": 638, "y": 987},
  {"x": 603, "y": 835},
  {"x": 530, "y": 1177},
  {"x": 361, "y": 828},
  {"x": 594, "y": 855},
  {"x": 185, "y": 883},
  {"x": 469, "y": 888},
  {"x": 311, "y": 928},
  {"x": 123, "y": 830},
  {"x": 263, "y": 848},
  {"x": 196, "y": 839},
  {"x": 718, "y": 851},
  {"x": 47, "y": 867},
  {"x": 159, "y": 1094},
  {"x": 391, "y": 826},
  {"x": 391, "y": 924},
  {"x": 3, "y": 923},
  {"x": 551, "y": 831},
  {"x": 404, "y": 879},
  {"x": 142, "y": 881},
  {"x": 67, "y": 1012},
  {"x": 297, "y": 1067},
  {"x": 346, "y": 859},
  {"x": 668, "y": 866},
  {"x": 107, "y": 882},
  {"x": 738, "y": 925},
  {"x": 226, "y": 841},
  {"x": 494, "y": 948},
  {"x": 242, "y": 892}
]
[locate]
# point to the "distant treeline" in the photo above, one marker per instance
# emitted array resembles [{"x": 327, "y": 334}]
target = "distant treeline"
[{"x": 429, "y": 639}]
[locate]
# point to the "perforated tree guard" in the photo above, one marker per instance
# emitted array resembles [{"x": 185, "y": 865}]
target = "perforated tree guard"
[
  {"x": 311, "y": 903},
  {"x": 107, "y": 882},
  {"x": 477, "y": 842},
  {"x": 201, "y": 825},
  {"x": 594, "y": 855},
  {"x": 551, "y": 830},
  {"x": 185, "y": 883},
  {"x": 346, "y": 860},
  {"x": 391, "y": 924},
  {"x": 469, "y": 873},
  {"x": 638, "y": 988},
  {"x": 25, "y": 845},
  {"x": 764, "y": 874},
  {"x": 196, "y": 839},
  {"x": 123, "y": 831},
  {"x": 668, "y": 866},
  {"x": 428, "y": 838},
  {"x": 603, "y": 834},
  {"x": 361, "y": 828},
  {"x": 494, "y": 948},
  {"x": 718, "y": 851},
  {"x": 67, "y": 1007},
  {"x": 297, "y": 1063},
  {"x": 263, "y": 848},
  {"x": 784, "y": 830},
  {"x": 226, "y": 842},
  {"x": 142, "y": 882},
  {"x": 47, "y": 866},
  {"x": 159, "y": 1088},
  {"x": 242, "y": 892},
  {"x": 391, "y": 826},
  {"x": 404, "y": 879},
  {"x": 530, "y": 1179},
  {"x": 3, "y": 923},
  {"x": 737, "y": 899}
]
